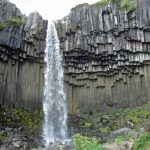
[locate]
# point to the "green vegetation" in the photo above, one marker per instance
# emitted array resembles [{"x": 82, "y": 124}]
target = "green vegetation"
[
  {"x": 80, "y": 5},
  {"x": 86, "y": 143},
  {"x": 87, "y": 125},
  {"x": 17, "y": 117},
  {"x": 100, "y": 125},
  {"x": 119, "y": 139},
  {"x": 2, "y": 135},
  {"x": 15, "y": 21},
  {"x": 104, "y": 130},
  {"x": 58, "y": 147},
  {"x": 101, "y": 3},
  {"x": 143, "y": 142},
  {"x": 91, "y": 143},
  {"x": 128, "y": 5},
  {"x": 122, "y": 5}
]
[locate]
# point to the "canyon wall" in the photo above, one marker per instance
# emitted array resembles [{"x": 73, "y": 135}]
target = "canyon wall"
[
  {"x": 21, "y": 57},
  {"x": 106, "y": 57}
]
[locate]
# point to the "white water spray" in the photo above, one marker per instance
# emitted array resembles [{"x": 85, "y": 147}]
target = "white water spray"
[{"x": 54, "y": 106}]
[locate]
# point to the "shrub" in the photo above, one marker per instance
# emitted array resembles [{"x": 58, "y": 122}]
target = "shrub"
[
  {"x": 15, "y": 21},
  {"x": 16, "y": 117},
  {"x": 79, "y": 5},
  {"x": 119, "y": 139},
  {"x": 104, "y": 130},
  {"x": 141, "y": 142},
  {"x": 101, "y": 3},
  {"x": 2, "y": 135},
  {"x": 87, "y": 125},
  {"x": 86, "y": 143},
  {"x": 128, "y": 5},
  {"x": 121, "y": 4}
]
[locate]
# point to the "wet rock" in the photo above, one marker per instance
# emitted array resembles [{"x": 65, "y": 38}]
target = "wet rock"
[
  {"x": 15, "y": 139},
  {"x": 105, "y": 119},
  {"x": 133, "y": 134},
  {"x": 120, "y": 132},
  {"x": 147, "y": 125},
  {"x": 3, "y": 147},
  {"x": 8, "y": 129},
  {"x": 141, "y": 116},
  {"x": 60, "y": 146},
  {"x": 16, "y": 144},
  {"x": 121, "y": 146}
]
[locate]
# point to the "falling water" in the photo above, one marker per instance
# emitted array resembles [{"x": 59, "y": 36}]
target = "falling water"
[{"x": 54, "y": 107}]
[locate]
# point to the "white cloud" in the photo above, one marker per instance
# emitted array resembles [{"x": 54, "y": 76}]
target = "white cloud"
[{"x": 49, "y": 9}]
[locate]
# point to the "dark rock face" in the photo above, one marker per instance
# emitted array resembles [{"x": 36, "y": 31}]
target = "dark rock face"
[
  {"x": 106, "y": 57},
  {"x": 21, "y": 58}
]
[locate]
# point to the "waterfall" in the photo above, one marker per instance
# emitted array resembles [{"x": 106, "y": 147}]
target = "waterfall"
[{"x": 54, "y": 106}]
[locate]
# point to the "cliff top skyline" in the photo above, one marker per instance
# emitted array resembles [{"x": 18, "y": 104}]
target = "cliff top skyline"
[{"x": 51, "y": 10}]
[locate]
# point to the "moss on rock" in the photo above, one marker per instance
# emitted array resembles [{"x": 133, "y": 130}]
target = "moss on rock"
[
  {"x": 15, "y": 21},
  {"x": 17, "y": 117},
  {"x": 101, "y": 125},
  {"x": 122, "y": 5}
]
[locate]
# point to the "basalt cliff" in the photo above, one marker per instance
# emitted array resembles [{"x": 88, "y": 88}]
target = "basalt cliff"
[
  {"x": 22, "y": 44},
  {"x": 106, "y": 53},
  {"x": 106, "y": 56}
]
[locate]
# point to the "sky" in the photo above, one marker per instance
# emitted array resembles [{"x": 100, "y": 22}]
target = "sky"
[{"x": 49, "y": 9}]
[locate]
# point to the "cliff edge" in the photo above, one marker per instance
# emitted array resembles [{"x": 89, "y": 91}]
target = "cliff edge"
[
  {"x": 22, "y": 44},
  {"x": 106, "y": 56}
]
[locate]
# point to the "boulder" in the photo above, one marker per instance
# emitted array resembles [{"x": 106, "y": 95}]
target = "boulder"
[{"x": 120, "y": 132}]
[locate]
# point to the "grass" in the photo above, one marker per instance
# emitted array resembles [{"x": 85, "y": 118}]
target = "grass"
[
  {"x": 78, "y": 6},
  {"x": 98, "y": 125},
  {"x": 122, "y": 5},
  {"x": 16, "y": 117},
  {"x": 2, "y": 135},
  {"x": 128, "y": 5},
  {"x": 136, "y": 115},
  {"x": 101, "y": 3},
  {"x": 15, "y": 21},
  {"x": 87, "y": 125},
  {"x": 86, "y": 143},
  {"x": 143, "y": 142},
  {"x": 104, "y": 130},
  {"x": 119, "y": 139}
]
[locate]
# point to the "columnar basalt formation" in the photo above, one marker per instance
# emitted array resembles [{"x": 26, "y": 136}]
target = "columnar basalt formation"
[
  {"x": 106, "y": 56},
  {"x": 21, "y": 57}
]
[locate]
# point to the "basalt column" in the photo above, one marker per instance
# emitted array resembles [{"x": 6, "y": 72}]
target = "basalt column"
[
  {"x": 106, "y": 56},
  {"x": 21, "y": 57}
]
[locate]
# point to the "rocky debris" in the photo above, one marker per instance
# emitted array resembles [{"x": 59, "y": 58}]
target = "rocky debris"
[
  {"x": 120, "y": 132},
  {"x": 106, "y": 57},
  {"x": 121, "y": 146},
  {"x": 108, "y": 126},
  {"x": 15, "y": 139},
  {"x": 60, "y": 147},
  {"x": 147, "y": 125},
  {"x": 22, "y": 138},
  {"x": 21, "y": 57}
]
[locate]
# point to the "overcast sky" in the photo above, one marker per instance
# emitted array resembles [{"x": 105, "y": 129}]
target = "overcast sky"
[{"x": 49, "y": 9}]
